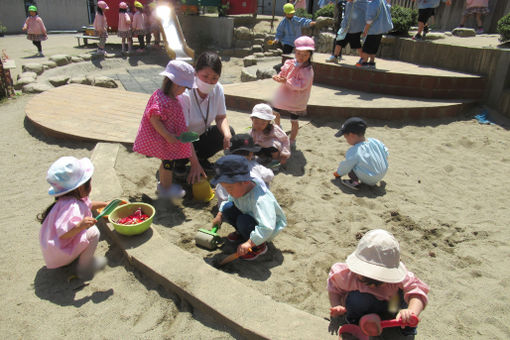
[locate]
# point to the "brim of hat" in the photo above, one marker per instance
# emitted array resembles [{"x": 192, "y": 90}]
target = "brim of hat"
[
  {"x": 372, "y": 271},
  {"x": 305, "y": 48},
  {"x": 254, "y": 148},
  {"x": 172, "y": 78},
  {"x": 231, "y": 179},
  {"x": 339, "y": 133},
  {"x": 89, "y": 170},
  {"x": 294, "y": 11},
  {"x": 260, "y": 116}
]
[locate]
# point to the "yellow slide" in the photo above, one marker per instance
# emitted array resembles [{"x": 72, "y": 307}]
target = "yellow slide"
[{"x": 175, "y": 43}]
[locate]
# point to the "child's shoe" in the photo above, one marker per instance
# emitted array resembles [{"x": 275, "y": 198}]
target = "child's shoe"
[
  {"x": 176, "y": 191},
  {"x": 234, "y": 237},
  {"x": 479, "y": 30},
  {"x": 40, "y": 54},
  {"x": 332, "y": 59},
  {"x": 255, "y": 252},
  {"x": 425, "y": 31},
  {"x": 418, "y": 37},
  {"x": 354, "y": 185},
  {"x": 87, "y": 273},
  {"x": 362, "y": 64},
  {"x": 371, "y": 64}
]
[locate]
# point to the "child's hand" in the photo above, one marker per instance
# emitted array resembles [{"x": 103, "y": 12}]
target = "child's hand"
[
  {"x": 336, "y": 174},
  {"x": 337, "y": 310},
  {"x": 405, "y": 315},
  {"x": 244, "y": 248},
  {"x": 448, "y": 2},
  {"x": 312, "y": 23},
  {"x": 217, "y": 220},
  {"x": 87, "y": 222}
]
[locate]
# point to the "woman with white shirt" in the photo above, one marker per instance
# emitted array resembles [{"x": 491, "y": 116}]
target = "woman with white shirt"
[{"x": 202, "y": 105}]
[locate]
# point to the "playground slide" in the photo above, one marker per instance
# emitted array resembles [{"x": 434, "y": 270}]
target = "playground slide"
[{"x": 175, "y": 43}]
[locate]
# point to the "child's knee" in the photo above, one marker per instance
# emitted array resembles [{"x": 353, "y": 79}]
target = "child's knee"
[{"x": 93, "y": 233}]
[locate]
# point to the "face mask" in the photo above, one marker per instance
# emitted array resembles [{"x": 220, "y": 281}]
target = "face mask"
[{"x": 204, "y": 87}]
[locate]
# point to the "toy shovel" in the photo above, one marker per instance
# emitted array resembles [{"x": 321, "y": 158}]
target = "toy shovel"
[
  {"x": 188, "y": 137},
  {"x": 353, "y": 330},
  {"x": 109, "y": 208},
  {"x": 372, "y": 325},
  {"x": 229, "y": 259}
]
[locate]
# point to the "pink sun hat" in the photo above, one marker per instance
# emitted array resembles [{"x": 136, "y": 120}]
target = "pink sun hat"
[
  {"x": 304, "y": 43},
  {"x": 67, "y": 174},
  {"x": 180, "y": 72},
  {"x": 102, "y": 5}
]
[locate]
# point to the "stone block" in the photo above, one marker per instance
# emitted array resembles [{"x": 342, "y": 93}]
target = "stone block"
[
  {"x": 246, "y": 75},
  {"x": 76, "y": 59},
  {"x": 259, "y": 55},
  {"x": 243, "y": 33},
  {"x": 85, "y": 56},
  {"x": 59, "y": 80},
  {"x": 249, "y": 61},
  {"x": 464, "y": 32},
  {"x": 33, "y": 67},
  {"x": 49, "y": 64},
  {"x": 28, "y": 74},
  {"x": 257, "y": 48},
  {"x": 266, "y": 72},
  {"x": 21, "y": 82},
  {"x": 324, "y": 22},
  {"x": 80, "y": 79},
  {"x": 103, "y": 81},
  {"x": 61, "y": 59},
  {"x": 324, "y": 42},
  {"x": 36, "y": 87},
  {"x": 242, "y": 43}
]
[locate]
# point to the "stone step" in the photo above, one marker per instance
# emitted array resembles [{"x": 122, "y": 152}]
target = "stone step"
[{"x": 331, "y": 102}]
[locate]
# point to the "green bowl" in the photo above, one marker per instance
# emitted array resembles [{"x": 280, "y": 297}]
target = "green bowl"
[{"x": 129, "y": 209}]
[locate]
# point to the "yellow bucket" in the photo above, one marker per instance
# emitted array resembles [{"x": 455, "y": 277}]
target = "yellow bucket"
[{"x": 202, "y": 191}]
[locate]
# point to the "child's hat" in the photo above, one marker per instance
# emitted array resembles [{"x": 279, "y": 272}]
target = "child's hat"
[
  {"x": 289, "y": 9},
  {"x": 123, "y": 5},
  {"x": 263, "y": 111},
  {"x": 304, "y": 43},
  {"x": 102, "y": 5},
  {"x": 180, "y": 72},
  {"x": 32, "y": 8},
  {"x": 231, "y": 169},
  {"x": 67, "y": 174},
  {"x": 352, "y": 125},
  {"x": 138, "y": 4},
  {"x": 377, "y": 257},
  {"x": 242, "y": 142}
]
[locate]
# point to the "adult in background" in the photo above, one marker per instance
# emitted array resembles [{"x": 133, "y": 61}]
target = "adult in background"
[{"x": 202, "y": 105}]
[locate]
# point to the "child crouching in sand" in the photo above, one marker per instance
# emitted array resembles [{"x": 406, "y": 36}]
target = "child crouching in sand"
[
  {"x": 251, "y": 208},
  {"x": 373, "y": 280}
]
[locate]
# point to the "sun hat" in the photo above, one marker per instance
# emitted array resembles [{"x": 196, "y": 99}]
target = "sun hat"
[
  {"x": 68, "y": 173},
  {"x": 138, "y": 4},
  {"x": 123, "y": 5},
  {"x": 352, "y": 125},
  {"x": 231, "y": 169},
  {"x": 263, "y": 111},
  {"x": 102, "y": 5},
  {"x": 289, "y": 9},
  {"x": 377, "y": 257},
  {"x": 304, "y": 43},
  {"x": 180, "y": 72},
  {"x": 242, "y": 142},
  {"x": 32, "y": 8}
]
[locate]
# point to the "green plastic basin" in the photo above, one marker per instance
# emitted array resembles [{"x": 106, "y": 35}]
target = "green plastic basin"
[{"x": 129, "y": 209}]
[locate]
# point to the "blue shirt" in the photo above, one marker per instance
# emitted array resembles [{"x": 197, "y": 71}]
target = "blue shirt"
[
  {"x": 290, "y": 29},
  {"x": 260, "y": 204},
  {"x": 354, "y": 16},
  {"x": 379, "y": 17},
  {"x": 368, "y": 160},
  {"x": 428, "y": 3}
]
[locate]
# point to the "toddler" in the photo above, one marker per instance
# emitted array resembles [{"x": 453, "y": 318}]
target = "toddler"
[
  {"x": 478, "y": 8},
  {"x": 36, "y": 31},
  {"x": 373, "y": 280},
  {"x": 426, "y": 9},
  {"x": 139, "y": 26},
  {"x": 101, "y": 26},
  {"x": 274, "y": 142},
  {"x": 290, "y": 28},
  {"x": 68, "y": 228},
  {"x": 162, "y": 121},
  {"x": 366, "y": 161},
  {"x": 296, "y": 78},
  {"x": 251, "y": 208},
  {"x": 124, "y": 30}
]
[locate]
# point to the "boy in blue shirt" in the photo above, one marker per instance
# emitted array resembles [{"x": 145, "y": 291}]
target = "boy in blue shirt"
[
  {"x": 289, "y": 28},
  {"x": 251, "y": 208},
  {"x": 426, "y": 9},
  {"x": 366, "y": 161}
]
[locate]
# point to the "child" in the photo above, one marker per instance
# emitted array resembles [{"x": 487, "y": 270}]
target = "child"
[
  {"x": 124, "y": 30},
  {"x": 36, "y": 31},
  {"x": 425, "y": 11},
  {"x": 101, "y": 26},
  {"x": 274, "y": 141},
  {"x": 68, "y": 228},
  {"x": 251, "y": 208},
  {"x": 373, "y": 280},
  {"x": 478, "y": 8},
  {"x": 350, "y": 31},
  {"x": 366, "y": 160},
  {"x": 296, "y": 77},
  {"x": 243, "y": 145},
  {"x": 290, "y": 28},
  {"x": 162, "y": 121},
  {"x": 139, "y": 25}
]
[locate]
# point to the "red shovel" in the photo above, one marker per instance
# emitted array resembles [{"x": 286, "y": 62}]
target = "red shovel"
[
  {"x": 353, "y": 330},
  {"x": 372, "y": 325}
]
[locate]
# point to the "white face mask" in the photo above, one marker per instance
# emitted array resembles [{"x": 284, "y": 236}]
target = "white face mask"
[{"x": 204, "y": 87}]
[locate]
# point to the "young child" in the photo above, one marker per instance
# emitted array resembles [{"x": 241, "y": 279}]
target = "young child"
[
  {"x": 162, "y": 121},
  {"x": 426, "y": 9},
  {"x": 274, "y": 142},
  {"x": 366, "y": 161},
  {"x": 36, "y": 31},
  {"x": 68, "y": 228},
  {"x": 289, "y": 28},
  {"x": 124, "y": 29},
  {"x": 101, "y": 26},
  {"x": 373, "y": 280},
  {"x": 296, "y": 78},
  {"x": 243, "y": 145},
  {"x": 478, "y": 8},
  {"x": 377, "y": 22},
  {"x": 353, "y": 24},
  {"x": 139, "y": 26},
  {"x": 251, "y": 208}
]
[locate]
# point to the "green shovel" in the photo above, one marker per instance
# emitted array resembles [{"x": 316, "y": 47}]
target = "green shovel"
[
  {"x": 109, "y": 208},
  {"x": 188, "y": 137}
]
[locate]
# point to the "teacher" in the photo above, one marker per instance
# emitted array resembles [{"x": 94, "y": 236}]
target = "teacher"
[{"x": 202, "y": 105}]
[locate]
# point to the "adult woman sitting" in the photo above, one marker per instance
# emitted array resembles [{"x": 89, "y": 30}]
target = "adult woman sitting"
[{"x": 202, "y": 105}]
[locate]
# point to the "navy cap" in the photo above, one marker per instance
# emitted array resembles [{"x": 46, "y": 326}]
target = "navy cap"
[
  {"x": 352, "y": 125},
  {"x": 243, "y": 142},
  {"x": 231, "y": 169}
]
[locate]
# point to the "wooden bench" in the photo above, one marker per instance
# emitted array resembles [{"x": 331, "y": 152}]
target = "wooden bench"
[{"x": 85, "y": 38}]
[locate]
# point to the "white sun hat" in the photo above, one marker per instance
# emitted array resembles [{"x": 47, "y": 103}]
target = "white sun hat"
[
  {"x": 263, "y": 111},
  {"x": 67, "y": 174}
]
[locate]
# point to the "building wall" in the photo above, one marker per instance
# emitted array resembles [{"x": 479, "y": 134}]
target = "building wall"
[
  {"x": 12, "y": 15},
  {"x": 201, "y": 31}
]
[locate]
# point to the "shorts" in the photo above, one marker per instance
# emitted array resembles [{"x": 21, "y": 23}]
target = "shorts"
[
  {"x": 474, "y": 10},
  {"x": 372, "y": 43},
  {"x": 424, "y": 14},
  {"x": 294, "y": 115},
  {"x": 37, "y": 37},
  {"x": 124, "y": 34},
  {"x": 170, "y": 164},
  {"x": 353, "y": 39}
]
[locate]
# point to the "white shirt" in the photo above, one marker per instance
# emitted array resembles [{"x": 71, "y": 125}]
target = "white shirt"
[{"x": 199, "y": 112}]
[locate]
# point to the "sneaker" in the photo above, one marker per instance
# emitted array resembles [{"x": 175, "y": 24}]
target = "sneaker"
[
  {"x": 40, "y": 54},
  {"x": 479, "y": 30},
  {"x": 425, "y": 31},
  {"x": 417, "y": 37},
  {"x": 176, "y": 191},
  {"x": 371, "y": 64},
  {"x": 332, "y": 59},
  {"x": 354, "y": 185},
  {"x": 255, "y": 252},
  {"x": 234, "y": 237},
  {"x": 362, "y": 64},
  {"x": 87, "y": 273}
]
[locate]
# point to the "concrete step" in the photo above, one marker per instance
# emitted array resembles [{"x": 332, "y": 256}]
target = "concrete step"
[{"x": 327, "y": 101}]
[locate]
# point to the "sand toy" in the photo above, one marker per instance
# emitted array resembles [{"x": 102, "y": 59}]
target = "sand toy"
[
  {"x": 372, "y": 325},
  {"x": 208, "y": 238}
]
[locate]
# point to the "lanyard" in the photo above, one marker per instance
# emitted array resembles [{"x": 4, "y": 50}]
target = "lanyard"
[{"x": 206, "y": 117}]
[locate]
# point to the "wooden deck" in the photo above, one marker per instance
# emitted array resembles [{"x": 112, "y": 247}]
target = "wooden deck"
[{"x": 88, "y": 113}]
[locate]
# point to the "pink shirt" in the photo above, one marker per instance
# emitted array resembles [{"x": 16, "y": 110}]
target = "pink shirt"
[
  {"x": 100, "y": 24},
  {"x": 300, "y": 4},
  {"x": 124, "y": 22},
  {"x": 64, "y": 216},
  {"x": 35, "y": 25},
  {"x": 138, "y": 21},
  {"x": 276, "y": 138},
  {"x": 342, "y": 281},
  {"x": 293, "y": 95},
  {"x": 149, "y": 142},
  {"x": 477, "y": 3}
]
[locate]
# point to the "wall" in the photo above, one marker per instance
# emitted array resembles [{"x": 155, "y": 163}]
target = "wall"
[
  {"x": 202, "y": 32},
  {"x": 12, "y": 15}
]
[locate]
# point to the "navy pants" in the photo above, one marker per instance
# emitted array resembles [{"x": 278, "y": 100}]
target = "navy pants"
[{"x": 243, "y": 223}]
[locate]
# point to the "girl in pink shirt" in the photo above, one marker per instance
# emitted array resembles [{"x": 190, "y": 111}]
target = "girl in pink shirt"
[
  {"x": 101, "y": 26},
  {"x": 124, "y": 28},
  {"x": 36, "y": 31},
  {"x": 162, "y": 122},
  {"x": 478, "y": 8},
  {"x": 139, "y": 29},
  {"x": 296, "y": 77},
  {"x": 373, "y": 280},
  {"x": 68, "y": 228}
]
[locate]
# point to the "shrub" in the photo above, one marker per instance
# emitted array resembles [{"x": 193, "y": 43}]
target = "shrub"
[
  {"x": 503, "y": 28},
  {"x": 326, "y": 11},
  {"x": 403, "y": 18},
  {"x": 3, "y": 29},
  {"x": 301, "y": 12}
]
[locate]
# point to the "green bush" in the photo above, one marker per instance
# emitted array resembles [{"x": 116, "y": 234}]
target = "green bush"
[
  {"x": 403, "y": 18},
  {"x": 503, "y": 28},
  {"x": 3, "y": 29},
  {"x": 302, "y": 13},
  {"x": 326, "y": 11}
]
